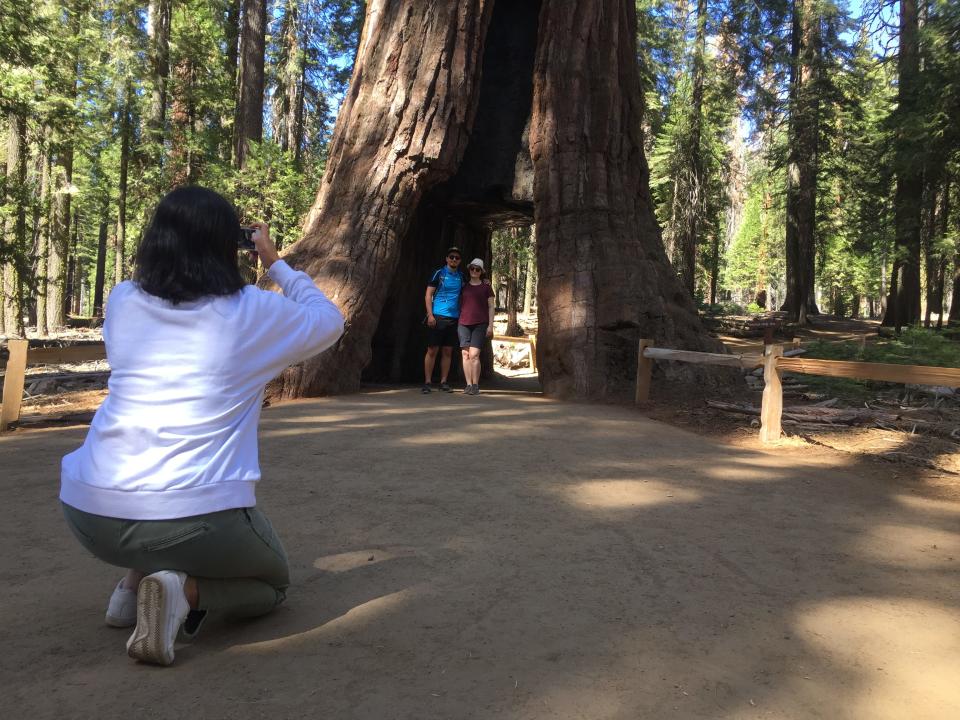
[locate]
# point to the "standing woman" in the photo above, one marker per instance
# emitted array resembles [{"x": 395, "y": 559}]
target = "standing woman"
[
  {"x": 165, "y": 482},
  {"x": 476, "y": 323}
]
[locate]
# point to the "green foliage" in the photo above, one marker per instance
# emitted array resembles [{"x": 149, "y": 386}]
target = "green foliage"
[{"x": 76, "y": 69}]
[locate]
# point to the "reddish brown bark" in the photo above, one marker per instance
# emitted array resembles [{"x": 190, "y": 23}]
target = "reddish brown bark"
[
  {"x": 448, "y": 131},
  {"x": 604, "y": 279},
  {"x": 402, "y": 129}
]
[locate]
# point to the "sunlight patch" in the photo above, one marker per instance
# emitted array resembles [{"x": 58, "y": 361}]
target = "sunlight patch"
[
  {"x": 911, "y": 546},
  {"x": 626, "y": 493},
  {"x": 351, "y": 560},
  {"x": 903, "y": 655},
  {"x": 353, "y": 619},
  {"x": 928, "y": 505}
]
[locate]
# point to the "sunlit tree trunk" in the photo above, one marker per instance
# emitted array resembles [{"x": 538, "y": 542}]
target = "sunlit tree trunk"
[
  {"x": 802, "y": 161},
  {"x": 903, "y": 305},
  {"x": 249, "y": 126},
  {"x": 603, "y": 277}
]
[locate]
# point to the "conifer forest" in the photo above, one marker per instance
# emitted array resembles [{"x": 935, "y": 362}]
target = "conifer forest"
[{"x": 804, "y": 156}]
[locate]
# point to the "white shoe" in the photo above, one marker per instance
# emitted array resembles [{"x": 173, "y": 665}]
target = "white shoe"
[
  {"x": 161, "y": 609},
  {"x": 122, "y": 610}
]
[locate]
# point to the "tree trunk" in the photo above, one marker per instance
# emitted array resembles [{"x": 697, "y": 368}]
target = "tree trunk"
[
  {"x": 604, "y": 279},
  {"x": 77, "y": 270},
  {"x": 100, "y": 275},
  {"x": 15, "y": 270},
  {"x": 249, "y": 124},
  {"x": 159, "y": 13},
  {"x": 513, "y": 327},
  {"x": 903, "y": 307},
  {"x": 120, "y": 245},
  {"x": 59, "y": 236},
  {"x": 42, "y": 223},
  {"x": 421, "y": 146},
  {"x": 802, "y": 162},
  {"x": 695, "y": 204},
  {"x": 944, "y": 260},
  {"x": 530, "y": 284}
]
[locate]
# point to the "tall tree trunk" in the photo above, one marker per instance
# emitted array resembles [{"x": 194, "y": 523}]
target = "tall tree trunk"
[
  {"x": 120, "y": 246},
  {"x": 714, "y": 267},
  {"x": 802, "y": 161},
  {"x": 15, "y": 270},
  {"x": 404, "y": 128},
  {"x": 42, "y": 223},
  {"x": 100, "y": 275},
  {"x": 530, "y": 283},
  {"x": 604, "y": 280},
  {"x": 250, "y": 91},
  {"x": 159, "y": 13},
  {"x": 694, "y": 204},
  {"x": 944, "y": 260},
  {"x": 513, "y": 327},
  {"x": 59, "y": 235},
  {"x": 931, "y": 259},
  {"x": 903, "y": 308},
  {"x": 77, "y": 270},
  {"x": 231, "y": 35}
]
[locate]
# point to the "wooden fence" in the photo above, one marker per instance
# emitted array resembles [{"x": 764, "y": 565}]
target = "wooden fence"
[
  {"x": 774, "y": 364},
  {"x": 21, "y": 355},
  {"x": 530, "y": 340}
]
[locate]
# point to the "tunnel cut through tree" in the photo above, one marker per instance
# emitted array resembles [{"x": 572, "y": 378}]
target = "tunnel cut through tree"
[{"x": 464, "y": 117}]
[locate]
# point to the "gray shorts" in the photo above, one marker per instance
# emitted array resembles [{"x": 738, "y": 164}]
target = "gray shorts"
[{"x": 472, "y": 335}]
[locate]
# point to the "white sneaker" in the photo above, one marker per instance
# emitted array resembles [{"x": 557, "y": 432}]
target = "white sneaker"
[
  {"x": 161, "y": 609},
  {"x": 122, "y": 610}
]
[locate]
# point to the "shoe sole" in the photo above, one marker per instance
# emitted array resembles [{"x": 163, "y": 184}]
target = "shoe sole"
[
  {"x": 147, "y": 642},
  {"x": 119, "y": 622}
]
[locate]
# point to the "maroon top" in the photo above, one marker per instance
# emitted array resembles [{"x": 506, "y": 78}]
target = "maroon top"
[{"x": 473, "y": 304}]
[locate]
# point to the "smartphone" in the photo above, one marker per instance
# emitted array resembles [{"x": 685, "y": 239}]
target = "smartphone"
[{"x": 245, "y": 240}]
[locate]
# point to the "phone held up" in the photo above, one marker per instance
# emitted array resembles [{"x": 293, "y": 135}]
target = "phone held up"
[{"x": 245, "y": 239}]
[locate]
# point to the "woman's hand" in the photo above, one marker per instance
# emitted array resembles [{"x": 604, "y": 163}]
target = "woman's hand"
[
  {"x": 265, "y": 247},
  {"x": 489, "y": 331}
]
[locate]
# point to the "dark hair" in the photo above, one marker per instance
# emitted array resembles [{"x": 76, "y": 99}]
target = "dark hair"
[{"x": 189, "y": 250}]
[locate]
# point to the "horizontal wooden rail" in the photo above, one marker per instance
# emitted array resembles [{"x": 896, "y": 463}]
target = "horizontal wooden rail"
[
  {"x": 530, "y": 340},
  {"x": 775, "y": 364},
  {"x": 21, "y": 355},
  {"x": 744, "y": 361},
  {"x": 906, "y": 374}
]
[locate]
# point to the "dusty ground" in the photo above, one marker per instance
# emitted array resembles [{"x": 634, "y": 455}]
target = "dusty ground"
[{"x": 506, "y": 556}]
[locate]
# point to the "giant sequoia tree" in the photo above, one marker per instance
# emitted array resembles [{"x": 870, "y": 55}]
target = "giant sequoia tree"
[{"x": 463, "y": 117}]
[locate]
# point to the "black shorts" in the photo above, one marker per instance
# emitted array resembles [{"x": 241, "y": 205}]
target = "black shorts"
[
  {"x": 443, "y": 333},
  {"x": 472, "y": 335}
]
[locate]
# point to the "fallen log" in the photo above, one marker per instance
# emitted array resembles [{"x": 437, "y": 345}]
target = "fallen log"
[{"x": 850, "y": 416}]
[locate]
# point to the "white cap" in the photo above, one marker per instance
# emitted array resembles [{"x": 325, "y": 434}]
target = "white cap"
[{"x": 476, "y": 262}]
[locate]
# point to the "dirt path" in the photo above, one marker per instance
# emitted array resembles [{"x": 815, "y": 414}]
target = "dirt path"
[{"x": 505, "y": 556}]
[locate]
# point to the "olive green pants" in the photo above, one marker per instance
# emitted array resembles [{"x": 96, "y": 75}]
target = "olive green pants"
[{"x": 236, "y": 557}]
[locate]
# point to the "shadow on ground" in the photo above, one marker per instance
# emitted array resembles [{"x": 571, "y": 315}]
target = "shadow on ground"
[{"x": 507, "y": 556}]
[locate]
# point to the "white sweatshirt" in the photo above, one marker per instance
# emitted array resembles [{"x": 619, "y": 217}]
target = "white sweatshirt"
[{"x": 177, "y": 434}]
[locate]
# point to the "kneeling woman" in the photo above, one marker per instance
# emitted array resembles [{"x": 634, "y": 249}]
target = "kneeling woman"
[
  {"x": 476, "y": 323},
  {"x": 164, "y": 484}
]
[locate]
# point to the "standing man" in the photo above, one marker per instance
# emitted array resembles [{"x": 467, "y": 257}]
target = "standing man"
[{"x": 443, "y": 310}]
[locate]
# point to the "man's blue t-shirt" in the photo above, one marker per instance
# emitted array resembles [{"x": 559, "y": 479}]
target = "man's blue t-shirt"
[{"x": 446, "y": 298}]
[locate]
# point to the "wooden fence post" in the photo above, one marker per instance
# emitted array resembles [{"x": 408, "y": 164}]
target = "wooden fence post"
[
  {"x": 533, "y": 353},
  {"x": 13, "y": 382},
  {"x": 771, "y": 408},
  {"x": 644, "y": 371}
]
